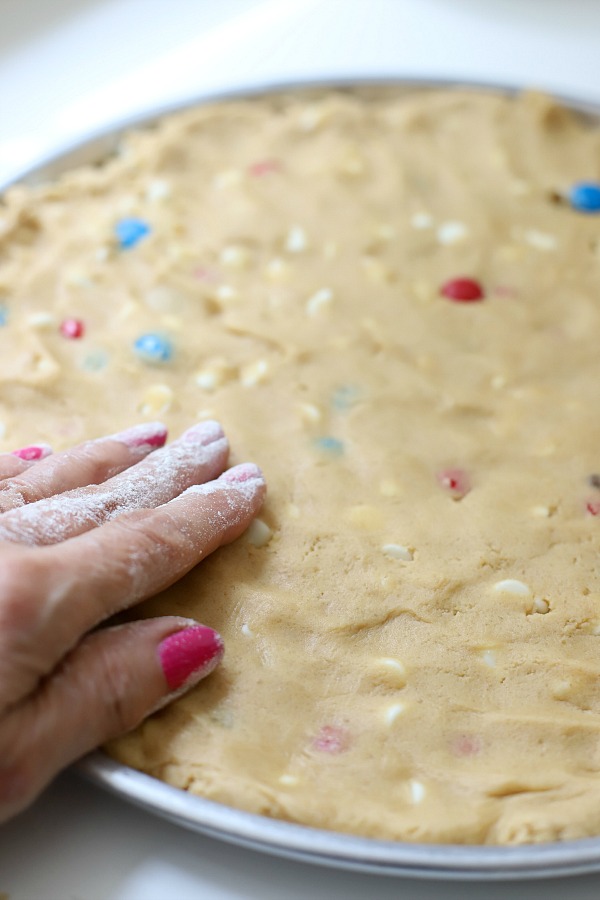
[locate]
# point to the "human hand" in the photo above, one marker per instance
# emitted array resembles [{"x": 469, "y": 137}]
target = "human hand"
[{"x": 84, "y": 534}]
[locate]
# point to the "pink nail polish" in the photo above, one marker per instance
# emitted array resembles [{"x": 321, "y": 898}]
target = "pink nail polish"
[
  {"x": 189, "y": 655},
  {"x": 33, "y": 452},
  {"x": 204, "y": 433},
  {"x": 244, "y": 472},
  {"x": 151, "y": 434}
]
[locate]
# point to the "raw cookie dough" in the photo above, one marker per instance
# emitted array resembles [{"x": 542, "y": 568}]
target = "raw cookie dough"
[{"x": 413, "y": 625}]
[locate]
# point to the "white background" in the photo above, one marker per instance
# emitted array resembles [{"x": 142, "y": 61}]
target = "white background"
[{"x": 68, "y": 67}]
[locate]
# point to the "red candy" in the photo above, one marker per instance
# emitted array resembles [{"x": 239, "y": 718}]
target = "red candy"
[
  {"x": 462, "y": 290},
  {"x": 264, "y": 167},
  {"x": 332, "y": 739},
  {"x": 456, "y": 481},
  {"x": 593, "y": 507},
  {"x": 72, "y": 328}
]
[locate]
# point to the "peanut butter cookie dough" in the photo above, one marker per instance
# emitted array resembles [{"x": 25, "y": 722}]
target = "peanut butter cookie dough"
[{"x": 392, "y": 303}]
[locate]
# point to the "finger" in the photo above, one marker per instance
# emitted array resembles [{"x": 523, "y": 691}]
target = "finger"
[
  {"x": 59, "y": 593},
  {"x": 89, "y": 463},
  {"x": 199, "y": 455},
  {"x": 12, "y": 464},
  {"x": 106, "y": 686}
]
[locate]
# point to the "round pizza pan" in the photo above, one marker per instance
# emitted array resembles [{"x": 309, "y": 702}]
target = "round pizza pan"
[{"x": 344, "y": 851}]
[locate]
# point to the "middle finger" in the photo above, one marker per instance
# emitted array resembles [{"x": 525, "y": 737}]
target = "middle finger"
[{"x": 198, "y": 456}]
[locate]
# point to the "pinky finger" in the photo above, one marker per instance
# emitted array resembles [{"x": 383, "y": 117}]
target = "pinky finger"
[
  {"x": 18, "y": 461},
  {"x": 115, "y": 678}
]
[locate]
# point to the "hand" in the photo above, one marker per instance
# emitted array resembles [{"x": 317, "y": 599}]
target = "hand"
[{"x": 84, "y": 534}]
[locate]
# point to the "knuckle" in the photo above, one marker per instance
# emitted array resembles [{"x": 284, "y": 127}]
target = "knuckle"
[{"x": 119, "y": 694}]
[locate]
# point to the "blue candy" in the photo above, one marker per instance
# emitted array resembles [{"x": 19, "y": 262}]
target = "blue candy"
[
  {"x": 95, "y": 361},
  {"x": 585, "y": 197},
  {"x": 3, "y": 316},
  {"x": 153, "y": 348},
  {"x": 345, "y": 397},
  {"x": 330, "y": 445},
  {"x": 130, "y": 232}
]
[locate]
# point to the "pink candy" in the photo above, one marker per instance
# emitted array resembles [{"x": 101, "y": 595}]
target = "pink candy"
[
  {"x": 455, "y": 481},
  {"x": 264, "y": 167},
  {"x": 332, "y": 739},
  {"x": 72, "y": 328}
]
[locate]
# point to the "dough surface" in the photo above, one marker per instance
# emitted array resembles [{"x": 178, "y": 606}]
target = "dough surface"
[{"x": 412, "y": 628}]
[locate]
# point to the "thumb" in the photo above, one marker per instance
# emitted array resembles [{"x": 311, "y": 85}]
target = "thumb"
[{"x": 111, "y": 681}]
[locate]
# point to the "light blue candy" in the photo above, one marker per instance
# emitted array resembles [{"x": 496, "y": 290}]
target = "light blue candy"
[
  {"x": 95, "y": 361},
  {"x": 130, "y": 232},
  {"x": 153, "y": 348},
  {"x": 3, "y": 316},
  {"x": 330, "y": 445},
  {"x": 345, "y": 397},
  {"x": 585, "y": 197}
]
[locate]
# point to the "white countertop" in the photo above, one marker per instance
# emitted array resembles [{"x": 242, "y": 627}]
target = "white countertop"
[{"x": 68, "y": 67}]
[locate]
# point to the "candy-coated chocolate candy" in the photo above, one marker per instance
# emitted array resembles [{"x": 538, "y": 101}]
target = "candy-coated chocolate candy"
[
  {"x": 153, "y": 348},
  {"x": 585, "y": 197},
  {"x": 130, "y": 232},
  {"x": 72, "y": 328},
  {"x": 462, "y": 290}
]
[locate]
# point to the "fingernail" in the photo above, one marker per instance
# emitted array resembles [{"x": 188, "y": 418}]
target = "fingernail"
[
  {"x": 189, "y": 655},
  {"x": 33, "y": 452},
  {"x": 244, "y": 472},
  {"x": 204, "y": 433},
  {"x": 149, "y": 434}
]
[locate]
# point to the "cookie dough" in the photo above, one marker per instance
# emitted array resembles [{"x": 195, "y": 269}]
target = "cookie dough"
[{"x": 413, "y": 624}]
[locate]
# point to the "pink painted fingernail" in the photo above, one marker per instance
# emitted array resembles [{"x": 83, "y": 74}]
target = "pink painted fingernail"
[
  {"x": 244, "y": 472},
  {"x": 189, "y": 655},
  {"x": 204, "y": 433},
  {"x": 33, "y": 452},
  {"x": 147, "y": 435}
]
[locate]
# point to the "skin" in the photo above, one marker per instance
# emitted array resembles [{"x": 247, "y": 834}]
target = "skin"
[{"x": 64, "y": 690}]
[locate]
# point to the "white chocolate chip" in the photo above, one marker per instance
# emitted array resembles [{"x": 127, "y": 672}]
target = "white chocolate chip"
[
  {"x": 259, "y": 534},
  {"x": 226, "y": 292},
  {"x": 246, "y": 630},
  {"x": 289, "y": 780},
  {"x": 157, "y": 190},
  {"x": 541, "y": 511},
  {"x": 41, "y": 320},
  {"x": 421, "y": 220},
  {"x": 101, "y": 254},
  {"x": 398, "y": 551},
  {"x": 276, "y": 268},
  {"x": 512, "y": 586},
  {"x": 234, "y": 256},
  {"x": 451, "y": 232},
  {"x": 392, "y": 712},
  {"x": 255, "y": 373},
  {"x": 560, "y": 689},
  {"x": 296, "y": 240},
  {"x": 310, "y": 413},
  {"x": 390, "y": 662},
  {"x": 417, "y": 790},
  {"x": 319, "y": 301},
  {"x": 540, "y": 605},
  {"x": 157, "y": 400},
  {"x": 488, "y": 657},
  {"x": 540, "y": 240}
]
